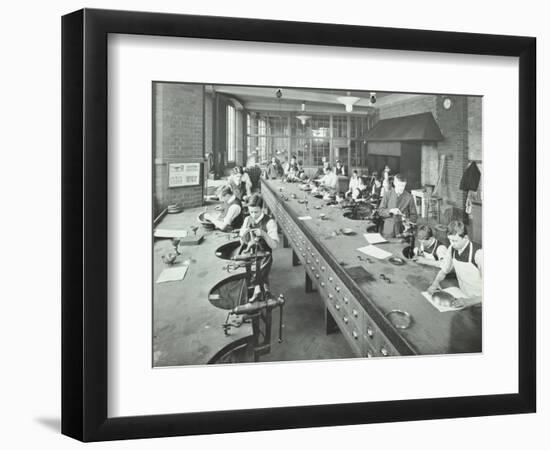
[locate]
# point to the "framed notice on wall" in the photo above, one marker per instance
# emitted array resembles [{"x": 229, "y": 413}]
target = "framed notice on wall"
[{"x": 184, "y": 174}]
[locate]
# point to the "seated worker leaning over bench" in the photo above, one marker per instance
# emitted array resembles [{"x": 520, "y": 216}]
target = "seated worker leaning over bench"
[
  {"x": 466, "y": 258},
  {"x": 231, "y": 216},
  {"x": 259, "y": 233},
  {"x": 428, "y": 250}
]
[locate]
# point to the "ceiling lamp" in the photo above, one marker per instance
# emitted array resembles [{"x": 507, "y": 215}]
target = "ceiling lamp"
[
  {"x": 348, "y": 101},
  {"x": 303, "y": 117}
]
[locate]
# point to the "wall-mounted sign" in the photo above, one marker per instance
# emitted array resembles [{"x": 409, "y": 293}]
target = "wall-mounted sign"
[{"x": 184, "y": 174}]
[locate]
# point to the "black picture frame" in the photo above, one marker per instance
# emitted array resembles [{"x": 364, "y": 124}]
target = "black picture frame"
[{"x": 84, "y": 224}]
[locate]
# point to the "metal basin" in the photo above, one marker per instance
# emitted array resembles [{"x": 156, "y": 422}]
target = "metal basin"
[
  {"x": 227, "y": 251},
  {"x": 229, "y": 293},
  {"x": 408, "y": 252}
]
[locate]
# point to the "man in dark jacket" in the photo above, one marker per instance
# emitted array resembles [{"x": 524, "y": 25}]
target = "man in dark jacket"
[{"x": 397, "y": 204}]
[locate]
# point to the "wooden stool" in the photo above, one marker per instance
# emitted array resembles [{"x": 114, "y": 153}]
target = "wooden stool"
[{"x": 434, "y": 208}]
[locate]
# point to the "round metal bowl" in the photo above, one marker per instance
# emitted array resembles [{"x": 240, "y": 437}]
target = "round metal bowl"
[
  {"x": 399, "y": 319},
  {"x": 206, "y": 224},
  {"x": 174, "y": 208},
  {"x": 396, "y": 261},
  {"x": 227, "y": 251},
  {"x": 408, "y": 252}
]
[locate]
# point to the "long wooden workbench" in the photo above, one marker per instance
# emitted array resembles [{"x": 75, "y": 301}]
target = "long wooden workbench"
[
  {"x": 357, "y": 299},
  {"x": 187, "y": 327}
]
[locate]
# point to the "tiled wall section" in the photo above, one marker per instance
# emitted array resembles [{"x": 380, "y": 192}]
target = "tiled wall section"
[{"x": 178, "y": 137}]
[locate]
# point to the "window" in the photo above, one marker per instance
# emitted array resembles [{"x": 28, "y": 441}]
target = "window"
[{"x": 231, "y": 134}]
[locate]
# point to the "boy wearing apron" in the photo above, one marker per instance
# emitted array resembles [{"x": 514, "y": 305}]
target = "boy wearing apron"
[
  {"x": 428, "y": 250},
  {"x": 466, "y": 258}
]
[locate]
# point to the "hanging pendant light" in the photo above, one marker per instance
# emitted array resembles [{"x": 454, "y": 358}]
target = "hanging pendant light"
[
  {"x": 348, "y": 101},
  {"x": 303, "y": 117}
]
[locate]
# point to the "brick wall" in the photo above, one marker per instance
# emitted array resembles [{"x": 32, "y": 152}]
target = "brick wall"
[
  {"x": 454, "y": 124},
  {"x": 415, "y": 105},
  {"x": 474, "y": 128},
  {"x": 454, "y": 127},
  {"x": 178, "y": 138},
  {"x": 208, "y": 122}
]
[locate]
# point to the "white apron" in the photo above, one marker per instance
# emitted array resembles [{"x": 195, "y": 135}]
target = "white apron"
[
  {"x": 429, "y": 256},
  {"x": 468, "y": 276}
]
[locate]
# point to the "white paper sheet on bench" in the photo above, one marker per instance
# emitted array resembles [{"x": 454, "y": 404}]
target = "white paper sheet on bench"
[
  {"x": 165, "y": 233},
  {"x": 374, "y": 238},
  {"x": 176, "y": 273},
  {"x": 374, "y": 251}
]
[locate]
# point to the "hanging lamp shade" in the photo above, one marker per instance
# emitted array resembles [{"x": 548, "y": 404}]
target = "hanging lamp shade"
[
  {"x": 348, "y": 101},
  {"x": 303, "y": 118}
]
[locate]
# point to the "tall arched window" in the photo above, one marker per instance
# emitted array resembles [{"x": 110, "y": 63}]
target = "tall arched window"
[{"x": 231, "y": 134}]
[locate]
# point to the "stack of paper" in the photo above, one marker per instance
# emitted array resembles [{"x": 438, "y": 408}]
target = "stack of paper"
[
  {"x": 374, "y": 238},
  {"x": 176, "y": 273},
  {"x": 166, "y": 233},
  {"x": 374, "y": 251}
]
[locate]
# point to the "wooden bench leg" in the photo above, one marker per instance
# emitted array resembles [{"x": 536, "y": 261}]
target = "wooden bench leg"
[
  {"x": 285, "y": 241},
  {"x": 309, "y": 284},
  {"x": 330, "y": 324},
  {"x": 295, "y": 260}
]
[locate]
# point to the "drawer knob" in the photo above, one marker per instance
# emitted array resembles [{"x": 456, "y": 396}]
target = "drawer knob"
[
  {"x": 322, "y": 284},
  {"x": 317, "y": 276},
  {"x": 370, "y": 333},
  {"x": 329, "y": 278},
  {"x": 354, "y": 334},
  {"x": 337, "y": 289},
  {"x": 312, "y": 267},
  {"x": 369, "y": 354},
  {"x": 317, "y": 261},
  {"x": 355, "y": 313},
  {"x": 330, "y": 296},
  {"x": 337, "y": 306},
  {"x": 307, "y": 260},
  {"x": 304, "y": 255},
  {"x": 346, "y": 320},
  {"x": 346, "y": 301},
  {"x": 384, "y": 351}
]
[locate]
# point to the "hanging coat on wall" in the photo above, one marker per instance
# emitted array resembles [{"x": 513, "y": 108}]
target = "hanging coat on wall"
[{"x": 470, "y": 178}]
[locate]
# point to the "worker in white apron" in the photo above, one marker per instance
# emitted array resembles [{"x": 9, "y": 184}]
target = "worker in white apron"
[
  {"x": 428, "y": 250},
  {"x": 466, "y": 259}
]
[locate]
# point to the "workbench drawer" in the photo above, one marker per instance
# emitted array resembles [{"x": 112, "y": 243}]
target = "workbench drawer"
[
  {"x": 377, "y": 341},
  {"x": 346, "y": 326}
]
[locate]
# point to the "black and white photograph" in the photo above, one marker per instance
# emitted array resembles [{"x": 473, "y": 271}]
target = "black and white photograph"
[
  {"x": 275, "y": 225},
  {"x": 297, "y": 224}
]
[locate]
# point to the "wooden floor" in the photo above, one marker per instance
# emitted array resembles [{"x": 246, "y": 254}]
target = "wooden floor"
[{"x": 304, "y": 335}]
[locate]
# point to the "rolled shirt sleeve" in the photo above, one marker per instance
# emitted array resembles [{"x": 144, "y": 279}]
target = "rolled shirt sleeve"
[
  {"x": 272, "y": 231},
  {"x": 232, "y": 212},
  {"x": 447, "y": 261},
  {"x": 478, "y": 258},
  {"x": 244, "y": 228}
]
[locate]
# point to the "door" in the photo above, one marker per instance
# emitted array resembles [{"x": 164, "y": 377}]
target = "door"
[
  {"x": 341, "y": 154},
  {"x": 411, "y": 164}
]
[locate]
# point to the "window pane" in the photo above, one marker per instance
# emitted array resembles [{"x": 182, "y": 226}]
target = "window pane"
[{"x": 231, "y": 133}]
